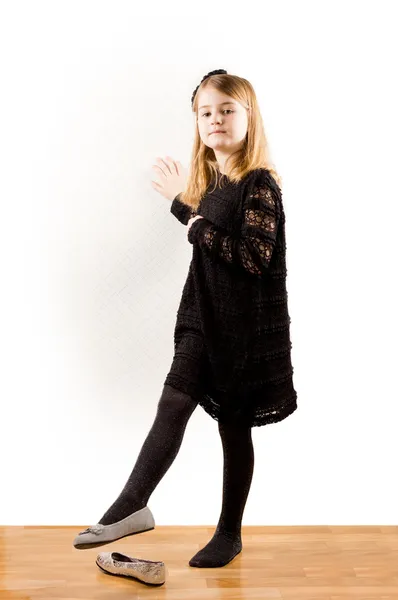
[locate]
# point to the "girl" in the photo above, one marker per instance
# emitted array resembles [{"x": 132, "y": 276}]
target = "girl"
[{"x": 232, "y": 334}]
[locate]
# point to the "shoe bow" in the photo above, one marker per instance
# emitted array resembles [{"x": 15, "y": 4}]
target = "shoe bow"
[{"x": 96, "y": 529}]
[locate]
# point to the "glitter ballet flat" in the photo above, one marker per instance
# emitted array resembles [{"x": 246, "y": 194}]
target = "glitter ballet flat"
[{"x": 147, "y": 571}]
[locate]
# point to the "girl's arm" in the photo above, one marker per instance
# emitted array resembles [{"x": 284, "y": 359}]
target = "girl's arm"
[
  {"x": 252, "y": 250},
  {"x": 181, "y": 210}
]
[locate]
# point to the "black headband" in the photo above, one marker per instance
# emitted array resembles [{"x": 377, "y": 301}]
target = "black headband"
[{"x": 216, "y": 72}]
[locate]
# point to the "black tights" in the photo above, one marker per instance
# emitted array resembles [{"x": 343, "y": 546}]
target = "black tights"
[{"x": 160, "y": 448}]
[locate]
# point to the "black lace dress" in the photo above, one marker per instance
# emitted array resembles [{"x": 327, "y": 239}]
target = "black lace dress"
[{"x": 232, "y": 348}]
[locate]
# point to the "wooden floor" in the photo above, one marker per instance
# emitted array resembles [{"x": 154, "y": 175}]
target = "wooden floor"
[{"x": 308, "y": 563}]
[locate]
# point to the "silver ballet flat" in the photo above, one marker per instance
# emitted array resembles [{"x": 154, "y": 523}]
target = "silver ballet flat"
[
  {"x": 147, "y": 571},
  {"x": 99, "y": 535}
]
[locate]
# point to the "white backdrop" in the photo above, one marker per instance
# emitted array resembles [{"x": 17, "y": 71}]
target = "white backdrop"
[{"x": 93, "y": 262}]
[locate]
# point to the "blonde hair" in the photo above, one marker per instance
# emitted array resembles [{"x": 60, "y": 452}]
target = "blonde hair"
[{"x": 254, "y": 153}]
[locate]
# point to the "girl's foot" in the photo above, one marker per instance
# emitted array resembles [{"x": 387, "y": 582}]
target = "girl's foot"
[{"x": 221, "y": 549}]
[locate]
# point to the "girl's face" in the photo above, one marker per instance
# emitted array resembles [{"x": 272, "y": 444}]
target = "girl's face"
[{"x": 230, "y": 118}]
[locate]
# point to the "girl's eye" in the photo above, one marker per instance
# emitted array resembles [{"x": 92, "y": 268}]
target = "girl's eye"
[{"x": 230, "y": 110}]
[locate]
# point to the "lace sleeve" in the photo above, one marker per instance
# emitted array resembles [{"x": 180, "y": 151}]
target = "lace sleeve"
[
  {"x": 253, "y": 249},
  {"x": 181, "y": 211}
]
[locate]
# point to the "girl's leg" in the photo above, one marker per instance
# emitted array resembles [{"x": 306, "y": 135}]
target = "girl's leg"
[
  {"x": 226, "y": 542},
  {"x": 157, "y": 454}
]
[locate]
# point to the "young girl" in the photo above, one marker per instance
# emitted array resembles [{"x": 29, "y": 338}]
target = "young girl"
[{"x": 232, "y": 337}]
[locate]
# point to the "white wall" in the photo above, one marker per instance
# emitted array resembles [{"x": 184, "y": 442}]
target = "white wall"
[{"x": 93, "y": 263}]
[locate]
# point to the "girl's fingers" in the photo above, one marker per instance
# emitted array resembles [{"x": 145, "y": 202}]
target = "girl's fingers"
[
  {"x": 163, "y": 165},
  {"x": 159, "y": 171},
  {"x": 168, "y": 165},
  {"x": 172, "y": 165},
  {"x": 178, "y": 167}
]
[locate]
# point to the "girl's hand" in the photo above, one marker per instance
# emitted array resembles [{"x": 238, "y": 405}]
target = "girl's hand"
[
  {"x": 191, "y": 220},
  {"x": 172, "y": 176}
]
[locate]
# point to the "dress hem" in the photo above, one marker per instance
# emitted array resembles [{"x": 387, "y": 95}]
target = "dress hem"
[{"x": 212, "y": 408}]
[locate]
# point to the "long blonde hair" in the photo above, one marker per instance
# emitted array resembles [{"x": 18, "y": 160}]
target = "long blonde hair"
[{"x": 254, "y": 153}]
